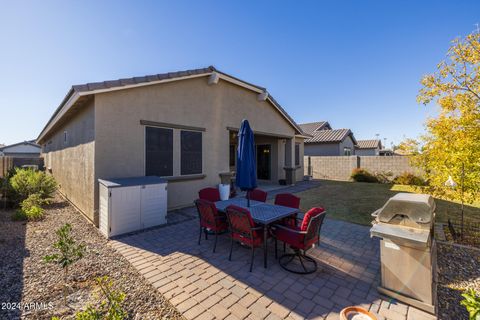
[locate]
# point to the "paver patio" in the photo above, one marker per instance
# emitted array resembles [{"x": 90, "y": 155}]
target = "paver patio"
[{"x": 205, "y": 285}]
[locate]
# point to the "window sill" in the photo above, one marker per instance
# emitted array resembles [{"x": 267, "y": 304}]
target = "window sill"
[{"x": 185, "y": 177}]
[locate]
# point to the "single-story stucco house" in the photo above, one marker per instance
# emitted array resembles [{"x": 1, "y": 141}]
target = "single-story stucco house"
[
  {"x": 25, "y": 149},
  {"x": 326, "y": 141},
  {"x": 180, "y": 125},
  {"x": 368, "y": 147}
]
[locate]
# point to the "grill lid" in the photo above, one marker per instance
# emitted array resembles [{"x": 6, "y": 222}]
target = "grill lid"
[{"x": 418, "y": 208}]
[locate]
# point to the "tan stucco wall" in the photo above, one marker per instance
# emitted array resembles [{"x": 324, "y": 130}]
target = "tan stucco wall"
[
  {"x": 119, "y": 148},
  {"x": 71, "y": 163}
]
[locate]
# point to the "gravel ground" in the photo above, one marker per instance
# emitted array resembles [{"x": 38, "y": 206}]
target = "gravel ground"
[
  {"x": 30, "y": 280},
  {"x": 459, "y": 269}
]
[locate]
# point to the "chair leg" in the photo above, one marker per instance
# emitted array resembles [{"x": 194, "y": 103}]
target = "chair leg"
[
  {"x": 284, "y": 247},
  {"x": 251, "y": 261},
  {"x": 215, "y": 244},
  {"x": 200, "y": 235},
  {"x": 231, "y": 248},
  {"x": 206, "y": 233},
  {"x": 276, "y": 255}
]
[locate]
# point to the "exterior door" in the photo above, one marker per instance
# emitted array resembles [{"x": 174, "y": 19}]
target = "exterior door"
[{"x": 264, "y": 152}]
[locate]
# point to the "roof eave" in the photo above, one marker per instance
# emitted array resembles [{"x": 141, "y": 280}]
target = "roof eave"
[{"x": 73, "y": 95}]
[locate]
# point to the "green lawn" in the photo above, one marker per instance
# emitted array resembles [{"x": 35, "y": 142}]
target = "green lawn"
[{"x": 355, "y": 201}]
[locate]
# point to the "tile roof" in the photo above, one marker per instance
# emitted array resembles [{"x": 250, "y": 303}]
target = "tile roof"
[
  {"x": 310, "y": 128},
  {"x": 328, "y": 136},
  {"x": 29, "y": 142},
  {"x": 91, "y": 87},
  {"x": 368, "y": 144}
]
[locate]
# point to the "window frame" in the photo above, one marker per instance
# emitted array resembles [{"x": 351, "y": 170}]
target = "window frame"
[{"x": 345, "y": 149}]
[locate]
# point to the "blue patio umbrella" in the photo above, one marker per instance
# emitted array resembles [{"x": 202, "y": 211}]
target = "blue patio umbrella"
[{"x": 246, "y": 178}]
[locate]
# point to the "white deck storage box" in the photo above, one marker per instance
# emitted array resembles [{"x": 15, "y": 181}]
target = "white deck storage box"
[{"x": 131, "y": 204}]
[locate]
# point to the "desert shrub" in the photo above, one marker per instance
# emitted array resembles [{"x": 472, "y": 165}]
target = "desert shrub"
[
  {"x": 410, "y": 179},
  {"x": 28, "y": 181},
  {"x": 111, "y": 306},
  {"x": 384, "y": 177},
  {"x": 30, "y": 208},
  {"x": 362, "y": 175},
  {"x": 471, "y": 302}
]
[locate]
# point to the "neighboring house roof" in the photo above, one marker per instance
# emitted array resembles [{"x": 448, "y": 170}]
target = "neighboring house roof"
[
  {"x": 31, "y": 143},
  {"x": 331, "y": 136},
  {"x": 310, "y": 128},
  {"x": 368, "y": 144},
  {"x": 78, "y": 91}
]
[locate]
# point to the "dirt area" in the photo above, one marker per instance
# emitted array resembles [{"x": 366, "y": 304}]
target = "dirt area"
[
  {"x": 458, "y": 269},
  {"x": 31, "y": 281}
]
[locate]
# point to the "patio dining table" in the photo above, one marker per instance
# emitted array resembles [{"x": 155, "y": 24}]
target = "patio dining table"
[{"x": 262, "y": 213}]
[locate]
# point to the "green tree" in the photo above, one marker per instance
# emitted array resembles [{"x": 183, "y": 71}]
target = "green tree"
[
  {"x": 452, "y": 141},
  {"x": 69, "y": 252},
  {"x": 408, "y": 146}
]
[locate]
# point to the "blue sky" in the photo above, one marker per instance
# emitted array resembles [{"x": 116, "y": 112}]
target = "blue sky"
[{"x": 356, "y": 64}]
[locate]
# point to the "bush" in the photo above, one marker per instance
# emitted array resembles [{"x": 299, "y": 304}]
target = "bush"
[
  {"x": 30, "y": 208},
  {"x": 410, "y": 179},
  {"x": 384, "y": 177},
  {"x": 471, "y": 302},
  {"x": 362, "y": 175},
  {"x": 26, "y": 182}
]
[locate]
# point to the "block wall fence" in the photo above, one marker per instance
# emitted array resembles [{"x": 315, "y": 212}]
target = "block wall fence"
[{"x": 340, "y": 168}]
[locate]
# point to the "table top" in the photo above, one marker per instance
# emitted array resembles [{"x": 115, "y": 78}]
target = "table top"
[{"x": 263, "y": 213}]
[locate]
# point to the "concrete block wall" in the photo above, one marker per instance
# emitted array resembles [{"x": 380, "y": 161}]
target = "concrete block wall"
[
  {"x": 340, "y": 168},
  {"x": 395, "y": 165},
  {"x": 334, "y": 168}
]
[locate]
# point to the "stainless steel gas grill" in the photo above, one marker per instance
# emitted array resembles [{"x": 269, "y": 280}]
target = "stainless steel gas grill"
[{"x": 407, "y": 249}]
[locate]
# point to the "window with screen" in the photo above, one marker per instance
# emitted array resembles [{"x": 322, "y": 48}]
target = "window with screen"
[
  {"x": 159, "y": 152},
  {"x": 191, "y": 152},
  {"x": 297, "y": 154}
]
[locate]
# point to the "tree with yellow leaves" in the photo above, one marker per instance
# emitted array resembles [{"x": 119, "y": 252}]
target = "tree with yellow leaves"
[{"x": 451, "y": 146}]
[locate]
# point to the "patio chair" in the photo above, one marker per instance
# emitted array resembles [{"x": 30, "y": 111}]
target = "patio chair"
[
  {"x": 257, "y": 195},
  {"x": 243, "y": 230},
  {"x": 300, "y": 239},
  {"x": 291, "y": 201},
  {"x": 211, "y": 220},
  {"x": 210, "y": 194}
]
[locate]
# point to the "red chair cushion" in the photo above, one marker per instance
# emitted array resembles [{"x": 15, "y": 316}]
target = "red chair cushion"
[
  {"x": 309, "y": 215},
  {"x": 210, "y": 194},
  {"x": 257, "y": 195},
  {"x": 209, "y": 216},
  {"x": 243, "y": 223},
  {"x": 287, "y": 200},
  {"x": 295, "y": 240},
  {"x": 291, "y": 201},
  {"x": 257, "y": 239}
]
